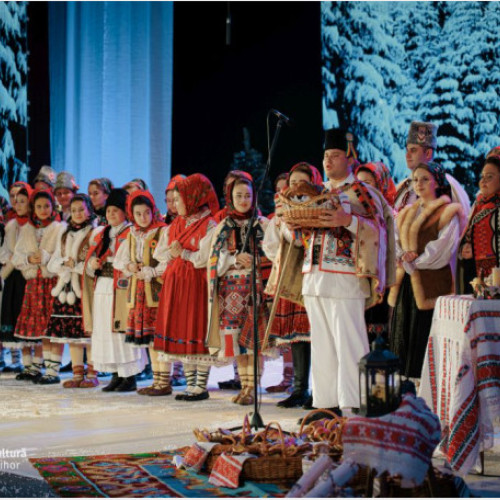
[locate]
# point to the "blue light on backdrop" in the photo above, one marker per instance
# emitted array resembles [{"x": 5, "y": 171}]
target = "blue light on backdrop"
[{"x": 111, "y": 91}]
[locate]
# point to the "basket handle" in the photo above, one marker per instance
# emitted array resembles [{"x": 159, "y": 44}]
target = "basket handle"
[
  {"x": 313, "y": 412},
  {"x": 280, "y": 431}
]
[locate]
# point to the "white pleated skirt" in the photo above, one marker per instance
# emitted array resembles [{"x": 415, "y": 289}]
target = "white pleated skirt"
[{"x": 110, "y": 353}]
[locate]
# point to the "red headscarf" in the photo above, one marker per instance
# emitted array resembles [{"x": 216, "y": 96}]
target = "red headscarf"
[
  {"x": 156, "y": 221},
  {"x": 383, "y": 179},
  {"x": 173, "y": 182},
  {"x": 314, "y": 173},
  {"x": 21, "y": 220},
  {"x": 54, "y": 216},
  {"x": 228, "y": 196},
  {"x": 196, "y": 191}
]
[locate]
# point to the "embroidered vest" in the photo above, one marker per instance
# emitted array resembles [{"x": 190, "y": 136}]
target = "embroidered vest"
[{"x": 153, "y": 287}]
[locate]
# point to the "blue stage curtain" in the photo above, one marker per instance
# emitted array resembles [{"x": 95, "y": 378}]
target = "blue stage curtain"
[{"x": 111, "y": 91}]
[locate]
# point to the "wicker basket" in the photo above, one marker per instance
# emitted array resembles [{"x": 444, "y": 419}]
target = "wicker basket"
[
  {"x": 275, "y": 468},
  {"x": 306, "y": 213}
]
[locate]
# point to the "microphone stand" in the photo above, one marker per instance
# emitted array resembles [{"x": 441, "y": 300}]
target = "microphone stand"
[{"x": 256, "y": 420}]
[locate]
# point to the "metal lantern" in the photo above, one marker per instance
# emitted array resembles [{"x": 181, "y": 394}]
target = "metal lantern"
[{"x": 379, "y": 381}]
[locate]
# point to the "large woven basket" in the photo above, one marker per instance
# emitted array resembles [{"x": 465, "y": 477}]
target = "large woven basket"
[
  {"x": 274, "y": 468},
  {"x": 305, "y": 213}
]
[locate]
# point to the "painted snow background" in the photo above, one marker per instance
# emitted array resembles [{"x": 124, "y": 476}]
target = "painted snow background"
[
  {"x": 13, "y": 94},
  {"x": 386, "y": 64}
]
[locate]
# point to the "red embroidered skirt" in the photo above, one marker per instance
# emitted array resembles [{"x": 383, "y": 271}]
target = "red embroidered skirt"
[
  {"x": 141, "y": 319},
  {"x": 181, "y": 326},
  {"x": 36, "y": 309},
  {"x": 290, "y": 324}
]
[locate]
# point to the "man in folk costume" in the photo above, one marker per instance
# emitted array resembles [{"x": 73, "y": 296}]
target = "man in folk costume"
[
  {"x": 421, "y": 145},
  {"x": 347, "y": 266}
]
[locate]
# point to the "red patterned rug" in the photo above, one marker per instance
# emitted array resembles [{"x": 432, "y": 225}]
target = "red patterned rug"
[{"x": 137, "y": 475}]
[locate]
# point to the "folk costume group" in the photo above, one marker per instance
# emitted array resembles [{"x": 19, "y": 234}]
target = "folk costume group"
[{"x": 125, "y": 286}]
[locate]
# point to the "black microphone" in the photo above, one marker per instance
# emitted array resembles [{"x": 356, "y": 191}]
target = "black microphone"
[{"x": 282, "y": 117}]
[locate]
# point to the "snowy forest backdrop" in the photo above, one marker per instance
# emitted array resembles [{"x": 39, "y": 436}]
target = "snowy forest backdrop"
[
  {"x": 13, "y": 94},
  {"x": 386, "y": 64}
]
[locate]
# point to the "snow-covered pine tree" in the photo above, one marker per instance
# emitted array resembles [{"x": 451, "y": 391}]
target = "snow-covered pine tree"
[
  {"x": 417, "y": 29},
  {"x": 481, "y": 84},
  {"x": 362, "y": 75},
  {"x": 13, "y": 91},
  {"x": 251, "y": 161},
  {"x": 443, "y": 103}
]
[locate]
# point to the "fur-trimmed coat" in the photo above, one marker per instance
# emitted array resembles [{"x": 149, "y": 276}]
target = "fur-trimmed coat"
[
  {"x": 418, "y": 227},
  {"x": 29, "y": 242}
]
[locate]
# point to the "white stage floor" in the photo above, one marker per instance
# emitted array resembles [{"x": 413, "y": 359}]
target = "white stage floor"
[{"x": 52, "y": 421}]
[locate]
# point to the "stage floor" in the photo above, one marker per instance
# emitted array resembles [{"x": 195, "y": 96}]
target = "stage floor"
[{"x": 52, "y": 421}]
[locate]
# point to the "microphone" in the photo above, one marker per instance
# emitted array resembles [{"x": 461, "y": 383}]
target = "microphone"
[{"x": 282, "y": 117}]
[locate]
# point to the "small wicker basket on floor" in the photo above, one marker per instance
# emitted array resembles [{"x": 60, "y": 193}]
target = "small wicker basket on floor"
[{"x": 277, "y": 468}]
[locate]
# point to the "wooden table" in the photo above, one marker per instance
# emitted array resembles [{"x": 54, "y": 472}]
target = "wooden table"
[{"x": 461, "y": 376}]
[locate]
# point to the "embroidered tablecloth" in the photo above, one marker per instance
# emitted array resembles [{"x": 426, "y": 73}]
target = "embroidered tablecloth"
[
  {"x": 461, "y": 376},
  {"x": 400, "y": 443}
]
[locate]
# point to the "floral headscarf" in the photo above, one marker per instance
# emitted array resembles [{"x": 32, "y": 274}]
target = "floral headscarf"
[
  {"x": 196, "y": 191},
  {"x": 103, "y": 183},
  {"x": 314, "y": 173},
  {"x": 85, "y": 199},
  {"x": 228, "y": 196},
  {"x": 21, "y": 220},
  {"x": 383, "y": 179},
  {"x": 156, "y": 221},
  {"x": 54, "y": 216},
  {"x": 437, "y": 171}
]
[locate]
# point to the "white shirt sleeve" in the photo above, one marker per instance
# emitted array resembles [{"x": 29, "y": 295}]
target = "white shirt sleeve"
[
  {"x": 439, "y": 252},
  {"x": 122, "y": 258},
  {"x": 161, "y": 252},
  {"x": 272, "y": 238}
]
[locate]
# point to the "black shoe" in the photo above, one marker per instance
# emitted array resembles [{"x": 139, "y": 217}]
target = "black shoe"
[
  {"x": 231, "y": 385},
  {"x": 48, "y": 380},
  {"x": 103, "y": 374},
  {"x": 24, "y": 375},
  {"x": 319, "y": 415},
  {"x": 2, "y": 365},
  {"x": 127, "y": 384},
  {"x": 295, "y": 399},
  {"x": 308, "y": 403},
  {"x": 13, "y": 369},
  {"x": 197, "y": 397},
  {"x": 182, "y": 396},
  {"x": 67, "y": 368},
  {"x": 35, "y": 378},
  {"x": 114, "y": 383}
]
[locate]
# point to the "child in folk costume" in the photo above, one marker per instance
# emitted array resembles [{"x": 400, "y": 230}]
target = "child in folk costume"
[
  {"x": 99, "y": 190},
  {"x": 104, "y": 302},
  {"x": 182, "y": 317},
  {"x": 427, "y": 238},
  {"x": 230, "y": 286},
  {"x": 64, "y": 190},
  {"x": 135, "y": 259},
  {"x": 13, "y": 280},
  {"x": 220, "y": 216},
  {"x": 65, "y": 325},
  {"x": 35, "y": 245},
  {"x": 290, "y": 325},
  {"x": 177, "y": 378}
]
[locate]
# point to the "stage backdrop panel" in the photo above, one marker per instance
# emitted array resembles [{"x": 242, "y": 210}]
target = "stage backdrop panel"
[
  {"x": 111, "y": 91},
  {"x": 386, "y": 64}
]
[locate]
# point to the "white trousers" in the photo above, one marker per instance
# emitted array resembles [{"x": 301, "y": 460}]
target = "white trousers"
[{"x": 338, "y": 341}]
